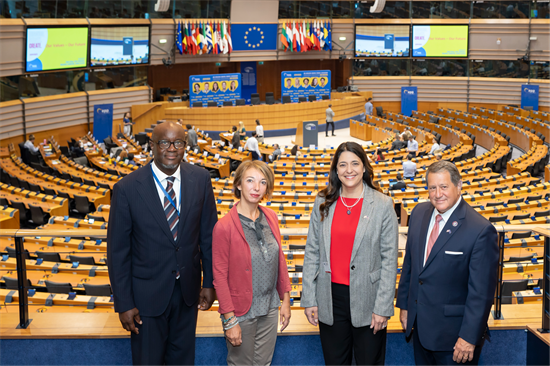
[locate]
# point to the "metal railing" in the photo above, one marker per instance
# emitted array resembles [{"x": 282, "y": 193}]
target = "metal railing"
[{"x": 21, "y": 266}]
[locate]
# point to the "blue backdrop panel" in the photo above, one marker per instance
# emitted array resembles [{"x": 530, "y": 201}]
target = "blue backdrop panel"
[
  {"x": 409, "y": 100},
  {"x": 248, "y": 78},
  {"x": 214, "y": 88},
  {"x": 530, "y": 96},
  {"x": 103, "y": 121},
  {"x": 304, "y": 83},
  {"x": 254, "y": 37}
]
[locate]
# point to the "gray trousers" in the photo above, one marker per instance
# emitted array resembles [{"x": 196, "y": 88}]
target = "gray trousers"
[{"x": 259, "y": 336}]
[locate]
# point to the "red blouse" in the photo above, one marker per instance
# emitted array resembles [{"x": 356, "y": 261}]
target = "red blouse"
[{"x": 342, "y": 236}]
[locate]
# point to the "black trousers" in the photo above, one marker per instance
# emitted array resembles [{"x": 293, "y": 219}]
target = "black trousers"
[
  {"x": 423, "y": 356},
  {"x": 327, "y": 125},
  {"x": 169, "y": 338},
  {"x": 342, "y": 340}
]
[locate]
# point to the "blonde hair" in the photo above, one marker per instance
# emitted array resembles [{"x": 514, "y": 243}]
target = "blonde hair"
[
  {"x": 259, "y": 166},
  {"x": 241, "y": 124}
]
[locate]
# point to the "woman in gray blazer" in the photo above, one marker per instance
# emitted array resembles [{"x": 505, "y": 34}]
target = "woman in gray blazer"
[{"x": 350, "y": 264}]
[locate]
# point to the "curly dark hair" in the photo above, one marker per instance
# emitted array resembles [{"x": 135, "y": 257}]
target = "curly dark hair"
[{"x": 332, "y": 192}]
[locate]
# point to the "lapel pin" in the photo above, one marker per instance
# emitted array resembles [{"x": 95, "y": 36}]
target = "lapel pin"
[
  {"x": 365, "y": 217},
  {"x": 455, "y": 224},
  {"x": 449, "y": 231}
]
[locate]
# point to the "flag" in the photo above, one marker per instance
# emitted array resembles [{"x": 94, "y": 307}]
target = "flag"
[
  {"x": 209, "y": 38},
  {"x": 214, "y": 39},
  {"x": 224, "y": 40},
  {"x": 321, "y": 36},
  {"x": 283, "y": 38},
  {"x": 190, "y": 45},
  {"x": 294, "y": 38},
  {"x": 307, "y": 38},
  {"x": 316, "y": 36},
  {"x": 302, "y": 41},
  {"x": 199, "y": 42},
  {"x": 203, "y": 39},
  {"x": 184, "y": 39},
  {"x": 328, "y": 38},
  {"x": 289, "y": 37},
  {"x": 311, "y": 35},
  {"x": 178, "y": 39},
  {"x": 228, "y": 35}
]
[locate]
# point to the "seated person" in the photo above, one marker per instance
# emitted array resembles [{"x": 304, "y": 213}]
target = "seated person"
[
  {"x": 399, "y": 184},
  {"x": 276, "y": 153},
  {"x": 409, "y": 167},
  {"x": 379, "y": 155},
  {"x": 252, "y": 146},
  {"x": 29, "y": 144},
  {"x": 435, "y": 146},
  {"x": 130, "y": 160}
]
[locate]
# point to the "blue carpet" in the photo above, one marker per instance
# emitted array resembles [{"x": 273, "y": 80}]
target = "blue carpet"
[{"x": 507, "y": 347}]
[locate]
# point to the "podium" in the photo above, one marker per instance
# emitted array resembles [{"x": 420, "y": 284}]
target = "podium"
[{"x": 307, "y": 133}]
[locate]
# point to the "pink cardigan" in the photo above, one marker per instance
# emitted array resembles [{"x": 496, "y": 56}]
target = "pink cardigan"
[{"x": 232, "y": 263}]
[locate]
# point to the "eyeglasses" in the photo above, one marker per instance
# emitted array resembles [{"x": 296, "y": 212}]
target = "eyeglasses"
[{"x": 165, "y": 144}]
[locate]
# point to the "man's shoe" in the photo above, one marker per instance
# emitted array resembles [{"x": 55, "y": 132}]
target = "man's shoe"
[{"x": 333, "y": 135}]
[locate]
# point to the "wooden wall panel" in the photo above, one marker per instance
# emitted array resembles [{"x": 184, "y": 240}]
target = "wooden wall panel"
[
  {"x": 53, "y": 112},
  {"x": 431, "y": 89},
  {"x": 386, "y": 89},
  {"x": 11, "y": 119},
  {"x": 484, "y": 34},
  {"x": 540, "y": 49},
  {"x": 161, "y": 29},
  {"x": 496, "y": 91},
  {"x": 544, "y": 93},
  {"x": 12, "y": 47}
]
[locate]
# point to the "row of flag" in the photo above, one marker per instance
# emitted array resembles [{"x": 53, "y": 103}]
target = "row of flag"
[
  {"x": 310, "y": 36},
  {"x": 204, "y": 38}
]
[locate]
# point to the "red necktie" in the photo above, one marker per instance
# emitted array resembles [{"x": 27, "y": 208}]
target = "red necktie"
[{"x": 433, "y": 236}]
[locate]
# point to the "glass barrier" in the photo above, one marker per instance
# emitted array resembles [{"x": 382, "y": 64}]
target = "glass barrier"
[
  {"x": 501, "y": 9},
  {"x": 381, "y": 67},
  {"x": 113, "y": 9},
  {"x": 439, "y": 67},
  {"x": 499, "y": 69},
  {"x": 41, "y": 85},
  {"x": 540, "y": 69},
  {"x": 441, "y": 9}
]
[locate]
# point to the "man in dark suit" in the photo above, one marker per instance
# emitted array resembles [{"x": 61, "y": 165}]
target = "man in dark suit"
[
  {"x": 159, "y": 236},
  {"x": 449, "y": 273},
  {"x": 398, "y": 143},
  {"x": 399, "y": 184}
]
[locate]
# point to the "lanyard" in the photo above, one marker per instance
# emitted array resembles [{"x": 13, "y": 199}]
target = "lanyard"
[{"x": 164, "y": 191}]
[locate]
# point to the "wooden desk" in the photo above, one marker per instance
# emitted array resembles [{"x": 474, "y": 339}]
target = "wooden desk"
[
  {"x": 9, "y": 218},
  {"x": 273, "y": 117},
  {"x": 538, "y": 345}
]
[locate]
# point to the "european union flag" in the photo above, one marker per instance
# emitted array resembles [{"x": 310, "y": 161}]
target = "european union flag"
[{"x": 254, "y": 37}]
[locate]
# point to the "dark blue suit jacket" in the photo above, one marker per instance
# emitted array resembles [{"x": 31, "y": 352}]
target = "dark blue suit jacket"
[
  {"x": 141, "y": 253},
  {"x": 450, "y": 296}
]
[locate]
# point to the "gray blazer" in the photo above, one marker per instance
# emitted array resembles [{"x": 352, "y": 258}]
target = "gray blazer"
[{"x": 373, "y": 261}]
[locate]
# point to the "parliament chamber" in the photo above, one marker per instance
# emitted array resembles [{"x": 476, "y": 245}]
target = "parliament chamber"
[{"x": 55, "y": 201}]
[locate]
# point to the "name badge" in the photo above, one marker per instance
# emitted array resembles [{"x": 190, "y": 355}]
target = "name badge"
[{"x": 326, "y": 267}]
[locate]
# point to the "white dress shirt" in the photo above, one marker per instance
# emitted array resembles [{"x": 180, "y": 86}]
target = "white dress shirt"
[
  {"x": 162, "y": 178},
  {"x": 30, "y": 146},
  {"x": 252, "y": 145},
  {"x": 434, "y": 148},
  {"x": 412, "y": 145},
  {"x": 442, "y": 223},
  {"x": 260, "y": 130}
]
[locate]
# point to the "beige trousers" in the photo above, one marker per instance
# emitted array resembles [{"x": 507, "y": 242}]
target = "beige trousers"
[{"x": 259, "y": 336}]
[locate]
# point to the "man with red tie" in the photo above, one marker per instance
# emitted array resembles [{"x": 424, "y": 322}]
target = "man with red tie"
[{"x": 449, "y": 274}]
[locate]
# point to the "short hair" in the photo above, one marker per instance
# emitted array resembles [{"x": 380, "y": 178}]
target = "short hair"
[
  {"x": 447, "y": 166},
  {"x": 31, "y": 137},
  {"x": 188, "y": 126},
  {"x": 399, "y": 176},
  {"x": 259, "y": 166},
  {"x": 253, "y": 133},
  {"x": 411, "y": 137},
  {"x": 258, "y": 122},
  {"x": 409, "y": 157},
  {"x": 130, "y": 156},
  {"x": 330, "y": 105},
  {"x": 234, "y": 128},
  {"x": 368, "y": 100}
]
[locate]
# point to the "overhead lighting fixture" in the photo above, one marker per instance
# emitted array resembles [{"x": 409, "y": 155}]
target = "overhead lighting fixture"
[
  {"x": 162, "y": 40},
  {"x": 342, "y": 38},
  {"x": 162, "y": 5},
  {"x": 378, "y": 6}
]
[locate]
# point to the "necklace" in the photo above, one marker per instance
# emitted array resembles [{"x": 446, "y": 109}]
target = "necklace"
[{"x": 356, "y": 202}]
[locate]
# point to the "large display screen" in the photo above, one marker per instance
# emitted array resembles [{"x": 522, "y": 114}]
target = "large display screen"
[
  {"x": 217, "y": 88},
  {"x": 440, "y": 41},
  {"x": 112, "y": 46},
  {"x": 56, "y": 48},
  {"x": 382, "y": 40},
  {"x": 298, "y": 84}
]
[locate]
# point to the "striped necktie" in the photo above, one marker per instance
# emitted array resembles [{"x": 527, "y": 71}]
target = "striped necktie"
[{"x": 169, "y": 209}]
